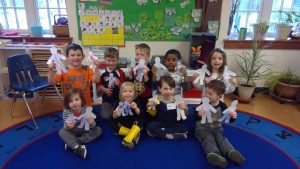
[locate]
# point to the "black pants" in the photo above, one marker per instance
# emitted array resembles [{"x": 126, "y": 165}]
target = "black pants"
[
  {"x": 160, "y": 128},
  {"x": 126, "y": 121}
]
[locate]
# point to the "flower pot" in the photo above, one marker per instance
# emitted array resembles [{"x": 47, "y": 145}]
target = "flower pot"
[
  {"x": 257, "y": 33},
  {"x": 282, "y": 31},
  {"x": 287, "y": 90},
  {"x": 245, "y": 92}
]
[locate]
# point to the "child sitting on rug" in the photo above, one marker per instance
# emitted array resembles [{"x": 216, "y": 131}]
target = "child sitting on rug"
[
  {"x": 210, "y": 135},
  {"x": 79, "y": 125},
  {"x": 128, "y": 116},
  {"x": 165, "y": 125}
]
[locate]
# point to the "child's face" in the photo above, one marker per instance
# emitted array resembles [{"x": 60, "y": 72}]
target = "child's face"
[
  {"x": 75, "y": 103},
  {"x": 140, "y": 53},
  {"x": 171, "y": 62},
  {"x": 212, "y": 95},
  {"x": 166, "y": 91},
  {"x": 75, "y": 58},
  {"x": 128, "y": 93},
  {"x": 216, "y": 60},
  {"x": 111, "y": 62}
]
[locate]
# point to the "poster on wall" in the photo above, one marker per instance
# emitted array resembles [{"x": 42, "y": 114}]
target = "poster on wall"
[{"x": 148, "y": 20}]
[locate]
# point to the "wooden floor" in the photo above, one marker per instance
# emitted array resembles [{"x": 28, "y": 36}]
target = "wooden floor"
[{"x": 286, "y": 114}]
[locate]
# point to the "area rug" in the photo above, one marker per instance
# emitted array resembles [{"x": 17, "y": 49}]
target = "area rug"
[{"x": 265, "y": 144}]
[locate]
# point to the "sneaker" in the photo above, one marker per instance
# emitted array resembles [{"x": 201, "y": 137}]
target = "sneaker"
[
  {"x": 216, "y": 160},
  {"x": 66, "y": 147},
  {"x": 180, "y": 136},
  {"x": 127, "y": 144},
  {"x": 81, "y": 151},
  {"x": 136, "y": 138},
  {"x": 236, "y": 157}
]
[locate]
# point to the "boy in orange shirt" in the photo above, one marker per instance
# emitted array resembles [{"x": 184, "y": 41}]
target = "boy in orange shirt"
[{"x": 77, "y": 75}]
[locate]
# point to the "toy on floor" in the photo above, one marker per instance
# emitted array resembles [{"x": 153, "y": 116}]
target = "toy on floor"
[
  {"x": 180, "y": 112},
  {"x": 226, "y": 113},
  {"x": 160, "y": 68},
  {"x": 56, "y": 57},
  {"x": 208, "y": 109},
  {"x": 201, "y": 75}
]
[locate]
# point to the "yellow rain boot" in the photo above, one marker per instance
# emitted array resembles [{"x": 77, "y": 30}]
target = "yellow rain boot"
[
  {"x": 123, "y": 131},
  {"x": 134, "y": 132}
]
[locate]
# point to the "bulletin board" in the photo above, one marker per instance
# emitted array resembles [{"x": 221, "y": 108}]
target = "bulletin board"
[{"x": 146, "y": 20}]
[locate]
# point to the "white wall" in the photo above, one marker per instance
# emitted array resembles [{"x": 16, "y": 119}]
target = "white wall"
[{"x": 281, "y": 59}]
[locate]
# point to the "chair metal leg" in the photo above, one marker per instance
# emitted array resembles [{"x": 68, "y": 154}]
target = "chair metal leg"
[
  {"x": 28, "y": 108},
  {"x": 13, "y": 104},
  {"x": 57, "y": 91},
  {"x": 45, "y": 89}
]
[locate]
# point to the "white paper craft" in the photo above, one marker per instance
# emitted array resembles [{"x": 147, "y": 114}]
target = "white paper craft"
[
  {"x": 124, "y": 108},
  {"x": 226, "y": 113},
  {"x": 83, "y": 118},
  {"x": 111, "y": 80},
  {"x": 91, "y": 60},
  {"x": 155, "y": 100},
  {"x": 208, "y": 109},
  {"x": 56, "y": 57},
  {"x": 160, "y": 68},
  {"x": 180, "y": 112},
  {"x": 201, "y": 77},
  {"x": 226, "y": 76},
  {"x": 139, "y": 68}
]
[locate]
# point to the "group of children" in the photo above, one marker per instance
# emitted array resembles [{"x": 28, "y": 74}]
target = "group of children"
[{"x": 131, "y": 106}]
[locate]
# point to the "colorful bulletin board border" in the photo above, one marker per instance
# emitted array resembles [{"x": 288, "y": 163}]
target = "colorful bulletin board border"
[{"x": 150, "y": 20}]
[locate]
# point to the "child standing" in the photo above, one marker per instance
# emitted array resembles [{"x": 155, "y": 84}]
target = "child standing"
[
  {"x": 75, "y": 137},
  {"x": 127, "y": 117},
  {"x": 143, "y": 88},
  {"x": 166, "y": 125},
  {"x": 77, "y": 75},
  {"x": 210, "y": 135},
  {"x": 111, "y": 79}
]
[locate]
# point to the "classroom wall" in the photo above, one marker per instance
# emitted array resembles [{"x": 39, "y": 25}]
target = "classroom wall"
[{"x": 280, "y": 58}]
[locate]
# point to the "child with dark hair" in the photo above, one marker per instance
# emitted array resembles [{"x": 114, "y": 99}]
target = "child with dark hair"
[
  {"x": 210, "y": 135},
  {"x": 77, "y": 75},
  {"x": 165, "y": 124},
  {"x": 111, "y": 79},
  {"x": 74, "y": 136}
]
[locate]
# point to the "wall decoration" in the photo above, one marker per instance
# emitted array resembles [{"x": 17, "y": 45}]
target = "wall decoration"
[{"x": 148, "y": 20}]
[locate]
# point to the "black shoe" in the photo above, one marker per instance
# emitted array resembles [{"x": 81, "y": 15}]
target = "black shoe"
[
  {"x": 66, "y": 147},
  {"x": 136, "y": 138},
  {"x": 216, "y": 160},
  {"x": 81, "y": 151},
  {"x": 236, "y": 157},
  {"x": 180, "y": 135}
]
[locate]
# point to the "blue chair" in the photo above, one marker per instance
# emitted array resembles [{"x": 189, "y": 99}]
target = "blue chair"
[{"x": 24, "y": 78}]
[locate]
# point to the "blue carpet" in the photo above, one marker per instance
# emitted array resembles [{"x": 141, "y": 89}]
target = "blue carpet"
[{"x": 44, "y": 148}]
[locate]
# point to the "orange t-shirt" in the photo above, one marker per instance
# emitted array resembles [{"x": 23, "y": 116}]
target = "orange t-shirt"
[{"x": 77, "y": 78}]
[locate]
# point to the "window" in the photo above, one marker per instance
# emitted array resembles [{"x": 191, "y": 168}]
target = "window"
[
  {"x": 253, "y": 11},
  {"x": 22, "y": 14}
]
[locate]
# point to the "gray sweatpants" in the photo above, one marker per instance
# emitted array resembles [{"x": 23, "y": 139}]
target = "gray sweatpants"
[
  {"x": 107, "y": 109},
  {"x": 212, "y": 139},
  {"x": 78, "y": 136}
]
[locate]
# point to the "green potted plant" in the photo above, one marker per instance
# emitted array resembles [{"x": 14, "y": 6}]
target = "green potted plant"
[
  {"x": 286, "y": 23},
  {"x": 285, "y": 84},
  {"x": 260, "y": 29},
  {"x": 252, "y": 66}
]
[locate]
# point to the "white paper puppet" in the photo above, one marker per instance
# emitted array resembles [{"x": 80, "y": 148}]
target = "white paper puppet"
[
  {"x": 155, "y": 99},
  {"x": 160, "y": 68},
  {"x": 180, "y": 112},
  {"x": 139, "y": 68},
  {"x": 83, "y": 118},
  {"x": 226, "y": 113},
  {"x": 208, "y": 110},
  {"x": 124, "y": 108},
  {"x": 201, "y": 75},
  {"x": 91, "y": 60},
  {"x": 56, "y": 57},
  {"x": 226, "y": 76},
  {"x": 111, "y": 80}
]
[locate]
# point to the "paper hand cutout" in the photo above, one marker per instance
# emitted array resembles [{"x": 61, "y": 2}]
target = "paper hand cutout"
[
  {"x": 226, "y": 112},
  {"x": 155, "y": 100},
  {"x": 56, "y": 57},
  {"x": 160, "y": 68},
  {"x": 139, "y": 68},
  {"x": 111, "y": 80},
  {"x": 83, "y": 118},
  {"x": 91, "y": 60},
  {"x": 201, "y": 77},
  {"x": 226, "y": 76},
  {"x": 180, "y": 112},
  {"x": 124, "y": 108},
  {"x": 208, "y": 109}
]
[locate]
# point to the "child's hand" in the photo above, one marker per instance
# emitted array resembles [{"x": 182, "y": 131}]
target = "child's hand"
[
  {"x": 116, "y": 114},
  {"x": 201, "y": 112},
  {"x": 107, "y": 91},
  {"x": 151, "y": 103},
  {"x": 117, "y": 82},
  {"x": 182, "y": 105},
  {"x": 233, "y": 115},
  {"x": 97, "y": 62},
  {"x": 146, "y": 70},
  {"x": 133, "y": 105},
  {"x": 70, "y": 125},
  {"x": 183, "y": 71},
  {"x": 90, "y": 120},
  {"x": 51, "y": 66}
]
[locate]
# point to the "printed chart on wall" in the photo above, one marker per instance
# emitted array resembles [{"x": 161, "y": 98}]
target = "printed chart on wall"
[{"x": 110, "y": 22}]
